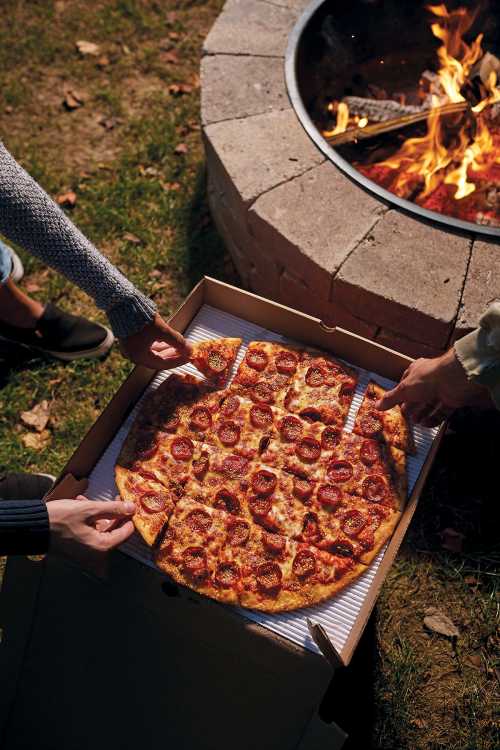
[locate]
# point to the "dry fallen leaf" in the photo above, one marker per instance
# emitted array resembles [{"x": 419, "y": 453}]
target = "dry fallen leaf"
[
  {"x": 103, "y": 61},
  {"x": 37, "y": 440},
  {"x": 73, "y": 99},
  {"x": 87, "y": 48},
  {"x": 438, "y": 622},
  {"x": 108, "y": 123},
  {"x": 452, "y": 540},
  {"x": 169, "y": 58},
  {"x": 129, "y": 237},
  {"x": 67, "y": 199},
  {"x": 181, "y": 148},
  {"x": 37, "y": 417},
  {"x": 177, "y": 89},
  {"x": 168, "y": 186}
]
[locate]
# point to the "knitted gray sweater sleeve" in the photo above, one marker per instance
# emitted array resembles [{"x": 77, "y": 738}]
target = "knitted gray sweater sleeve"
[{"x": 31, "y": 219}]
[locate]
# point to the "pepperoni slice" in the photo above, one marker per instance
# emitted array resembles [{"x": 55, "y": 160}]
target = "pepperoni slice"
[
  {"x": 145, "y": 446},
  {"x": 194, "y": 561},
  {"x": 377, "y": 515},
  {"x": 374, "y": 489},
  {"x": 260, "y": 505},
  {"x": 230, "y": 405},
  {"x": 264, "y": 482},
  {"x": 302, "y": 488},
  {"x": 201, "y": 419},
  {"x": 262, "y": 393},
  {"x": 330, "y": 496},
  {"x": 286, "y": 363},
  {"x": 273, "y": 543},
  {"x": 346, "y": 392},
  {"x": 342, "y": 547},
  {"x": 182, "y": 448},
  {"x": 330, "y": 438},
  {"x": 237, "y": 533},
  {"x": 257, "y": 359},
  {"x": 200, "y": 466},
  {"x": 225, "y": 500},
  {"x": 229, "y": 433},
  {"x": 146, "y": 474},
  {"x": 315, "y": 376},
  {"x": 304, "y": 564},
  {"x": 199, "y": 520},
  {"x": 310, "y": 414},
  {"x": 216, "y": 361},
  {"x": 234, "y": 466},
  {"x": 291, "y": 429},
  {"x": 154, "y": 502},
  {"x": 354, "y": 522},
  {"x": 310, "y": 529},
  {"x": 261, "y": 416},
  {"x": 369, "y": 452},
  {"x": 370, "y": 424},
  {"x": 308, "y": 449},
  {"x": 226, "y": 575},
  {"x": 269, "y": 576},
  {"x": 340, "y": 471}
]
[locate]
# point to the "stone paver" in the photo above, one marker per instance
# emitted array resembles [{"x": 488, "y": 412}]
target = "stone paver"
[
  {"x": 406, "y": 346},
  {"x": 262, "y": 151},
  {"x": 233, "y": 86},
  {"x": 482, "y": 286},
  {"x": 251, "y": 27},
  {"x": 309, "y": 226},
  {"x": 294, "y": 4},
  {"x": 407, "y": 276}
]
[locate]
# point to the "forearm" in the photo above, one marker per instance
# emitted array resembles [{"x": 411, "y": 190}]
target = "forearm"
[
  {"x": 30, "y": 218},
  {"x": 479, "y": 352},
  {"x": 24, "y": 527}
]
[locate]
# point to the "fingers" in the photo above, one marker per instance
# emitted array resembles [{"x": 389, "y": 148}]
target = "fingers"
[
  {"x": 107, "y": 509},
  {"x": 113, "y": 538},
  {"x": 392, "y": 397}
]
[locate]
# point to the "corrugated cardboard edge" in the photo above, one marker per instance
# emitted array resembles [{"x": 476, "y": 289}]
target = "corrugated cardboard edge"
[{"x": 292, "y": 324}]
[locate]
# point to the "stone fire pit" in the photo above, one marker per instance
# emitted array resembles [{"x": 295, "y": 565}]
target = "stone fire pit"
[{"x": 302, "y": 233}]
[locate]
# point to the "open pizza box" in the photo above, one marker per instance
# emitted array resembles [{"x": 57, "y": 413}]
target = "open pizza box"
[{"x": 288, "y": 656}]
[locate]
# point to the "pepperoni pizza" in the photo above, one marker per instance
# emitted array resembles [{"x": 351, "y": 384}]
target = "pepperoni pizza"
[{"x": 256, "y": 495}]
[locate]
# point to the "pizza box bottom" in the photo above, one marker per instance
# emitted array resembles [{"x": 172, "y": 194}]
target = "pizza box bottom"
[{"x": 212, "y": 310}]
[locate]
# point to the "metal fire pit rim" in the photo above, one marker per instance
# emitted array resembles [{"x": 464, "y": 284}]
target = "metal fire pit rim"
[{"x": 291, "y": 59}]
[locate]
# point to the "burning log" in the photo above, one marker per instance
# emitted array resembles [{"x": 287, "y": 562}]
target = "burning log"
[{"x": 379, "y": 110}]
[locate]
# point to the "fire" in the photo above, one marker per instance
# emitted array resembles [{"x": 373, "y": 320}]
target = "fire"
[{"x": 459, "y": 152}]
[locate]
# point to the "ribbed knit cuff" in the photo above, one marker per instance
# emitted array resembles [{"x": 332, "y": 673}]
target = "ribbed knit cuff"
[
  {"x": 480, "y": 362},
  {"x": 131, "y": 314},
  {"x": 24, "y": 527}
]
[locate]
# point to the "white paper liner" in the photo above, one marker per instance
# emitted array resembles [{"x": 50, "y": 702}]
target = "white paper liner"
[{"x": 338, "y": 615}]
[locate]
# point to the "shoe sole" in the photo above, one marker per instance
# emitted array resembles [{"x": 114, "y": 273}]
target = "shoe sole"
[
  {"x": 17, "y": 271},
  {"x": 97, "y": 351}
]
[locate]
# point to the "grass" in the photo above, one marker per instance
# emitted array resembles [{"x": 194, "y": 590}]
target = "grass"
[{"x": 427, "y": 695}]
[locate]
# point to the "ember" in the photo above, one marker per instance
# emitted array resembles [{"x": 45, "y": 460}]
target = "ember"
[{"x": 454, "y": 168}]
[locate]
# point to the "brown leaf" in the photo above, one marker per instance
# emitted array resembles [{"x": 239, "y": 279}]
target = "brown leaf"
[
  {"x": 37, "y": 440},
  {"x": 475, "y": 660},
  {"x": 125, "y": 49},
  {"x": 129, "y": 237},
  {"x": 169, "y": 58},
  {"x": 108, "y": 123},
  {"x": 452, "y": 540},
  {"x": 103, "y": 61},
  {"x": 420, "y": 723},
  {"x": 87, "y": 48},
  {"x": 73, "y": 99},
  {"x": 181, "y": 148},
  {"x": 171, "y": 17},
  {"x": 174, "y": 35},
  {"x": 67, "y": 199},
  {"x": 438, "y": 622},
  {"x": 178, "y": 89},
  {"x": 37, "y": 417},
  {"x": 168, "y": 186}
]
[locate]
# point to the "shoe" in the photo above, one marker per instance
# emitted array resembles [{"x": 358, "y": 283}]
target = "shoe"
[
  {"x": 62, "y": 335},
  {"x": 17, "y": 486}
]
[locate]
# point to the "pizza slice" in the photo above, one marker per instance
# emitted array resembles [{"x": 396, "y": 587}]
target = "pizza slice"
[
  {"x": 215, "y": 358},
  {"x": 389, "y": 426},
  {"x": 266, "y": 371},
  {"x": 322, "y": 389},
  {"x": 154, "y": 504}
]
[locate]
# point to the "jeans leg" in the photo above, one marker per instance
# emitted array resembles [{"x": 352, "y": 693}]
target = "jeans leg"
[{"x": 5, "y": 263}]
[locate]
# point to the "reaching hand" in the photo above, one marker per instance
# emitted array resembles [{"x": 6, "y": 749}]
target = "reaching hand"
[
  {"x": 157, "y": 346},
  {"x": 431, "y": 389},
  {"x": 79, "y": 522}
]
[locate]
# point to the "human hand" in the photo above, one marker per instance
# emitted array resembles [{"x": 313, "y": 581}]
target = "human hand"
[
  {"x": 431, "y": 389},
  {"x": 157, "y": 346},
  {"x": 88, "y": 523}
]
